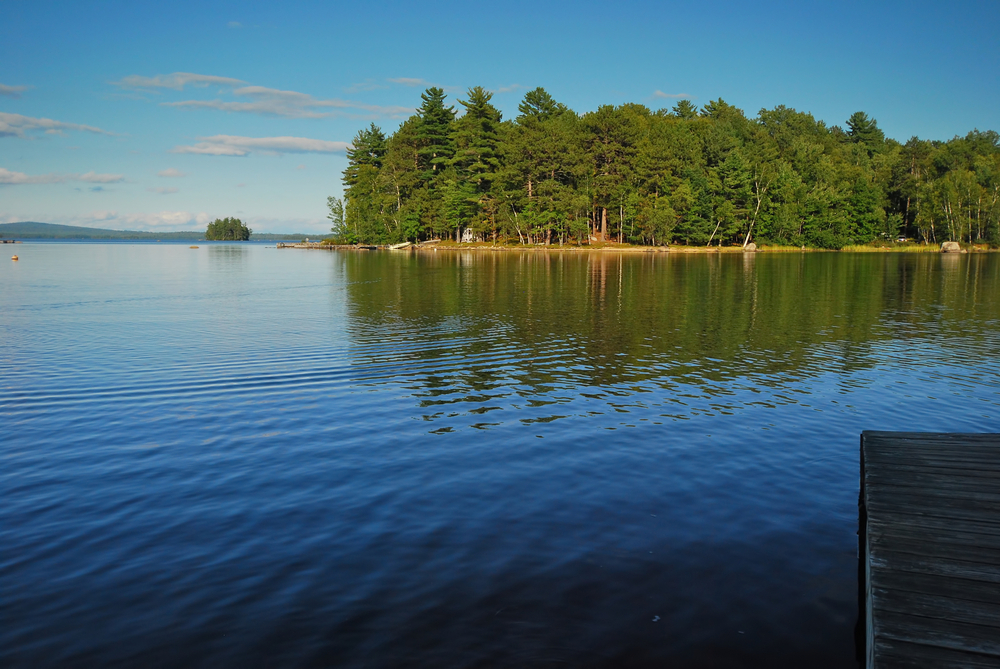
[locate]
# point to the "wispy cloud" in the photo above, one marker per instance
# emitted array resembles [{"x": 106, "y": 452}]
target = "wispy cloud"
[
  {"x": 94, "y": 178},
  {"x": 671, "y": 96},
  {"x": 12, "y": 91},
  {"x": 230, "y": 145},
  {"x": 409, "y": 81},
  {"x": 366, "y": 85},
  {"x": 11, "y": 178},
  {"x": 163, "y": 220},
  {"x": 510, "y": 89},
  {"x": 234, "y": 24},
  {"x": 171, "y": 173},
  {"x": 260, "y": 99},
  {"x": 16, "y": 125},
  {"x": 163, "y": 191},
  {"x": 275, "y": 102},
  {"x": 176, "y": 81}
]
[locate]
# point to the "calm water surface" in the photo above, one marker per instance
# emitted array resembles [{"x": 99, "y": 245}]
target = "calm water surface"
[{"x": 244, "y": 456}]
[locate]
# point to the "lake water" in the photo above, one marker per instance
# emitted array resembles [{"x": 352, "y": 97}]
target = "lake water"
[{"x": 247, "y": 456}]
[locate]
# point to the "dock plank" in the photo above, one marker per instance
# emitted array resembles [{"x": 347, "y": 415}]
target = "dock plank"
[{"x": 929, "y": 549}]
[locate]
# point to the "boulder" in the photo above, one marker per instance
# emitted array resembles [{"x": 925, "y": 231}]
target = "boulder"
[
  {"x": 951, "y": 247},
  {"x": 750, "y": 248}
]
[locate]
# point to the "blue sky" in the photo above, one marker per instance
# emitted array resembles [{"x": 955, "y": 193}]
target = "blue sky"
[{"x": 133, "y": 116}]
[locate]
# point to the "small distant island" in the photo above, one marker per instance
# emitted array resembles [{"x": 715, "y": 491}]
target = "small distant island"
[
  {"x": 228, "y": 230},
  {"x": 35, "y": 230}
]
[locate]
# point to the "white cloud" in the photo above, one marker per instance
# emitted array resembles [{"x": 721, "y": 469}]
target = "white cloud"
[
  {"x": 410, "y": 81},
  {"x": 300, "y": 167},
  {"x": 366, "y": 85},
  {"x": 230, "y": 145},
  {"x": 234, "y": 24},
  {"x": 163, "y": 191},
  {"x": 163, "y": 220},
  {"x": 16, "y": 125},
  {"x": 94, "y": 178},
  {"x": 671, "y": 96},
  {"x": 260, "y": 99},
  {"x": 176, "y": 81},
  {"x": 12, "y": 91},
  {"x": 171, "y": 173},
  {"x": 10, "y": 178},
  {"x": 275, "y": 102},
  {"x": 510, "y": 89}
]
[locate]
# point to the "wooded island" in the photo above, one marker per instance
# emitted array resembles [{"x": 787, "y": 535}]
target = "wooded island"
[{"x": 708, "y": 176}]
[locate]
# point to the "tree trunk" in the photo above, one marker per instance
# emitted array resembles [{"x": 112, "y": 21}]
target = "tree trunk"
[
  {"x": 713, "y": 233},
  {"x": 604, "y": 223}
]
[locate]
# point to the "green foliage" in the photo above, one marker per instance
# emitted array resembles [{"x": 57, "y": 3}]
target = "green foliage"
[
  {"x": 626, "y": 173},
  {"x": 228, "y": 229},
  {"x": 341, "y": 233},
  {"x": 539, "y": 105},
  {"x": 685, "y": 109},
  {"x": 865, "y": 130}
]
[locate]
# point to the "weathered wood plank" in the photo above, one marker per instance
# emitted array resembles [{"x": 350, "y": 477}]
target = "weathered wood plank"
[
  {"x": 931, "y": 631},
  {"x": 947, "y": 586},
  {"x": 961, "y": 518},
  {"x": 969, "y": 540},
  {"x": 930, "y": 549},
  {"x": 937, "y": 565},
  {"x": 907, "y": 655}
]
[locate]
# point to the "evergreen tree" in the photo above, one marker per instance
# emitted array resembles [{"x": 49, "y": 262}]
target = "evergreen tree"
[
  {"x": 433, "y": 133},
  {"x": 368, "y": 148},
  {"x": 863, "y": 129},
  {"x": 538, "y": 104},
  {"x": 685, "y": 109}
]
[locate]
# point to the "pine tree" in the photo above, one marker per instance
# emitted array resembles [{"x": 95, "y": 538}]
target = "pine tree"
[
  {"x": 538, "y": 104},
  {"x": 684, "y": 109},
  {"x": 368, "y": 148},
  {"x": 865, "y": 130},
  {"x": 434, "y": 133},
  {"x": 475, "y": 138}
]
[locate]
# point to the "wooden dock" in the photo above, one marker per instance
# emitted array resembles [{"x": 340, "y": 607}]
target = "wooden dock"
[{"x": 929, "y": 540}]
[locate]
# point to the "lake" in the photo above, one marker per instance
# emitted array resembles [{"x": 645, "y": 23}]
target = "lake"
[{"x": 245, "y": 456}]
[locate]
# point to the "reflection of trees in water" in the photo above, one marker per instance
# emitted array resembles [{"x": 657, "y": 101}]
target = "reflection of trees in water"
[
  {"x": 227, "y": 255},
  {"x": 477, "y": 326}
]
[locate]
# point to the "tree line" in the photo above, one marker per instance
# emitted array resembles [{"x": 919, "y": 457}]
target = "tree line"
[{"x": 708, "y": 176}]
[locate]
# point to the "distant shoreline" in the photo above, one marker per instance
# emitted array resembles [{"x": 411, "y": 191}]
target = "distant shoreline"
[{"x": 34, "y": 231}]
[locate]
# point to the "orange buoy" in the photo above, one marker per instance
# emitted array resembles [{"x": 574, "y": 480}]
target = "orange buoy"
[
  {"x": 192, "y": 247},
  {"x": 13, "y": 257}
]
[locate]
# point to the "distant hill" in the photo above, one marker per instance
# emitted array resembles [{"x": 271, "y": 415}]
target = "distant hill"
[{"x": 34, "y": 230}]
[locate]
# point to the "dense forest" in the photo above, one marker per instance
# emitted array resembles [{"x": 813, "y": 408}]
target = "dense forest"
[{"x": 708, "y": 176}]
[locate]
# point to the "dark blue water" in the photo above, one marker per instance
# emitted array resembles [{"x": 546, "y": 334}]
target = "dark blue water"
[{"x": 247, "y": 456}]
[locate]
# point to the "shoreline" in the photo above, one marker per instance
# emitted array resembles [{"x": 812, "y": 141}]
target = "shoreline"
[{"x": 627, "y": 248}]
